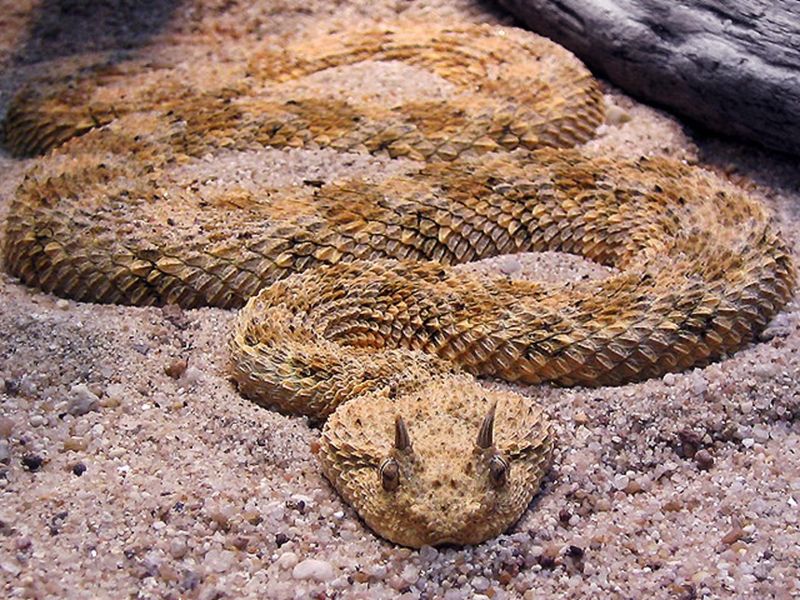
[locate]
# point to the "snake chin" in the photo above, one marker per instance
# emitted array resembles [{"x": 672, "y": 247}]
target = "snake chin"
[{"x": 451, "y": 463}]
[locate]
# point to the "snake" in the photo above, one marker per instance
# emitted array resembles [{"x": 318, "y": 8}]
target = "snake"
[{"x": 352, "y": 308}]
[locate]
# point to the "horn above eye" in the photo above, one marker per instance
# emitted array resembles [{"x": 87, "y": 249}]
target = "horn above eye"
[
  {"x": 402, "y": 441},
  {"x": 486, "y": 433}
]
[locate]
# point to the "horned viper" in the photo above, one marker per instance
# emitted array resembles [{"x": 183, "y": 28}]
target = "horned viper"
[{"x": 352, "y": 310}]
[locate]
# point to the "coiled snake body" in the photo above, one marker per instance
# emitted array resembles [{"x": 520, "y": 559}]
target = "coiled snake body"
[{"x": 352, "y": 312}]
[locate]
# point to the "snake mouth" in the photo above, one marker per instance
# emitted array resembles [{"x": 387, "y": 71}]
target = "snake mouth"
[
  {"x": 456, "y": 538},
  {"x": 467, "y": 532},
  {"x": 445, "y": 542}
]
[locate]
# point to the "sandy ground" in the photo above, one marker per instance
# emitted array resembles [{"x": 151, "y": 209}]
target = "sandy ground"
[{"x": 118, "y": 479}]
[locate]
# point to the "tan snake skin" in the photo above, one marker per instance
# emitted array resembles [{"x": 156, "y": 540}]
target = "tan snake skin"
[
  {"x": 512, "y": 90},
  {"x": 351, "y": 310}
]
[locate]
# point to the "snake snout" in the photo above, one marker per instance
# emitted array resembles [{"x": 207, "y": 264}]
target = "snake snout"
[{"x": 446, "y": 518}]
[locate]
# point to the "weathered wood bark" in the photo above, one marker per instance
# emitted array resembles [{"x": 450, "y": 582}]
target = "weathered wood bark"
[{"x": 731, "y": 65}]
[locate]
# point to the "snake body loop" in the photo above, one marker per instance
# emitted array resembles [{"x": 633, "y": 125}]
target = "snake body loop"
[{"x": 353, "y": 311}]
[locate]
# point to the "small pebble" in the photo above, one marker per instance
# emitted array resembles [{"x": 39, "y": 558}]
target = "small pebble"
[
  {"x": 480, "y": 584},
  {"x": 192, "y": 376},
  {"x": 6, "y": 427},
  {"x": 62, "y": 304},
  {"x": 548, "y": 557},
  {"x": 575, "y": 552},
  {"x": 378, "y": 572},
  {"x": 114, "y": 395},
  {"x": 23, "y": 543},
  {"x": 300, "y": 502},
  {"x": 509, "y": 264},
  {"x": 32, "y": 462},
  {"x": 621, "y": 482},
  {"x": 75, "y": 444},
  {"x": 360, "y": 577},
  {"x": 410, "y": 574},
  {"x": 190, "y": 580},
  {"x": 287, "y": 560},
  {"x": 734, "y": 535},
  {"x": 82, "y": 400},
  {"x": 766, "y": 371},
  {"x": 760, "y": 434},
  {"x": 428, "y": 553},
  {"x": 175, "y": 315},
  {"x": 177, "y": 547},
  {"x": 633, "y": 487},
  {"x": 219, "y": 560},
  {"x": 79, "y": 469},
  {"x": 5, "y": 452},
  {"x": 11, "y": 568},
  {"x": 311, "y": 568},
  {"x": 241, "y": 543},
  {"x": 699, "y": 577},
  {"x": 616, "y": 115},
  {"x": 703, "y": 459},
  {"x": 11, "y": 387},
  {"x": 37, "y": 420},
  {"x": 176, "y": 368},
  {"x": 603, "y": 505},
  {"x": 397, "y": 583},
  {"x": 535, "y": 551},
  {"x": 699, "y": 386}
]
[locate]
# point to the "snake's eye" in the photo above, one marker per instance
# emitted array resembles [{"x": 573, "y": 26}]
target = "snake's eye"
[
  {"x": 498, "y": 471},
  {"x": 390, "y": 475}
]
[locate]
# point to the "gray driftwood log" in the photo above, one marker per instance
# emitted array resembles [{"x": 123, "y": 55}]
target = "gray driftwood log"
[{"x": 730, "y": 65}]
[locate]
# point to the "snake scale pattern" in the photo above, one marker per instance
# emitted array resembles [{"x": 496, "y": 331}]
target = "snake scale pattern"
[{"x": 352, "y": 311}]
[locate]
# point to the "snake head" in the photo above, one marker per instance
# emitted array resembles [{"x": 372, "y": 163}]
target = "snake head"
[{"x": 450, "y": 463}]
